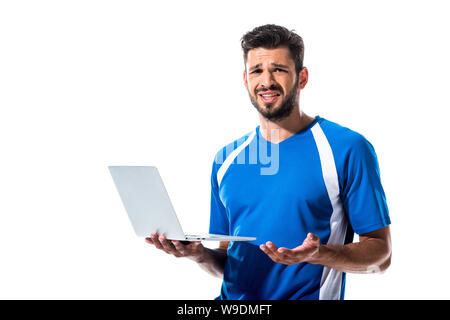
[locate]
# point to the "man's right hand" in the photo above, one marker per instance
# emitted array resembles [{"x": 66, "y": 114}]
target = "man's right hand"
[{"x": 193, "y": 250}]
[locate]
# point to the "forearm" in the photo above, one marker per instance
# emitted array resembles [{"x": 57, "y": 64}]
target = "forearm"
[
  {"x": 368, "y": 256},
  {"x": 212, "y": 261}
]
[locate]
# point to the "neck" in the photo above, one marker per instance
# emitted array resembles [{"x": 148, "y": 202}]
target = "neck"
[{"x": 275, "y": 132}]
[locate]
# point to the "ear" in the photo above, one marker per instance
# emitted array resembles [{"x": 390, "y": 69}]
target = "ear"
[
  {"x": 245, "y": 79},
  {"x": 302, "y": 78}
]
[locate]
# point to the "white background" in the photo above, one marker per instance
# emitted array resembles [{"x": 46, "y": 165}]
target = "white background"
[{"x": 87, "y": 84}]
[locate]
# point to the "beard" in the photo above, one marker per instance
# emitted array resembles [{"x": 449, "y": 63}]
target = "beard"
[{"x": 285, "y": 108}]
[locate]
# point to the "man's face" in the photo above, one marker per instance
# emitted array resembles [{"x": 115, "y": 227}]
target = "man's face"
[{"x": 272, "y": 82}]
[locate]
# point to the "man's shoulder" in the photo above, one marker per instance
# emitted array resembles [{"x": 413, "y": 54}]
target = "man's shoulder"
[
  {"x": 349, "y": 147},
  {"x": 342, "y": 137}
]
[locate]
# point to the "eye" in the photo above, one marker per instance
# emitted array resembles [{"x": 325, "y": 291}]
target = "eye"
[
  {"x": 256, "y": 71},
  {"x": 280, "y": 70}
]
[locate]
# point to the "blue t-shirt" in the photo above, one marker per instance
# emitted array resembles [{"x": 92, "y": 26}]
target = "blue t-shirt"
[{"x": 324, "y": 179}]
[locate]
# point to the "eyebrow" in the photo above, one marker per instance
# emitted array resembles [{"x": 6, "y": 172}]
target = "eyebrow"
[
  {"x": 256, "y": 66},
  {"x": 280, "y": 65}
]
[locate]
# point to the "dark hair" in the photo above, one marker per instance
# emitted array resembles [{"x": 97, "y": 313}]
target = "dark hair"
[{"x": 271, "y": 36}]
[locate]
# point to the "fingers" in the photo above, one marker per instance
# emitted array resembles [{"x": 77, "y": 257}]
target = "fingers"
[
  {"x": 154, "y": 240},
  {"x": 179, "y": 247},
  {"x": 161, "y": 242},
  {"x": 311, "y": 242},
  {"x": 280, "y": 255},
  {"x": 168, "y": 246},
  {"x": 173, "y": 247},
  {"x": 303, "y": 253},
  {"x": 273, "y": 252},
  {"x": 313, "y": 238}
]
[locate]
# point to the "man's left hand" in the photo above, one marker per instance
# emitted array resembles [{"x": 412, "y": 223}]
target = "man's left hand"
[{"x": 303, "y": 253}]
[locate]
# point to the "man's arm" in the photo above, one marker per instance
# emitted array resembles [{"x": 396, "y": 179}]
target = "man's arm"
[
  {"x": 213, "y": 260},
  {"x": 371, "y": 254},
  {"x": 210, "y": 260}
]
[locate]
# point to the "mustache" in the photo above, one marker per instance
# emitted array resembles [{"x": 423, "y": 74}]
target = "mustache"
[{"x": 271, "y": 88}]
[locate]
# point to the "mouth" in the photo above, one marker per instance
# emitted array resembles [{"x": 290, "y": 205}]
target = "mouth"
[{"x": 269, "y": 97}]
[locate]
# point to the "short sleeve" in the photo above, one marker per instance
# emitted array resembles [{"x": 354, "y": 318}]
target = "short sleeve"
[
  {"x": 363, "y": 195},
  {"x": 218, "y": 223}
]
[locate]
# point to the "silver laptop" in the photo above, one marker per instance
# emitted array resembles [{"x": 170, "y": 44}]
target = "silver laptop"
[{"x": 149, "y": 207}]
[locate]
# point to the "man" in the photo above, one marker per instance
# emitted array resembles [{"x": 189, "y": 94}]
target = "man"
[{"x": 324, "y": 186}]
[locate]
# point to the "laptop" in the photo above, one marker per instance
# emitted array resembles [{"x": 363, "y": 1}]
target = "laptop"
[{"x": 149, "y": 208}]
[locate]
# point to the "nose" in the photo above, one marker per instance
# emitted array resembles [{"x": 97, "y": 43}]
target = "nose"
[{"x": 267, "y": 80}]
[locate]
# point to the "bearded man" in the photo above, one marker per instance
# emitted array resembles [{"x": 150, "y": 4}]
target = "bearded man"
[{"x": 324, "y": 186}]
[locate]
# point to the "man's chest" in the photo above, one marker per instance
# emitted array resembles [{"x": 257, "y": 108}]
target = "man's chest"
[{"x": 298, "y": 182}]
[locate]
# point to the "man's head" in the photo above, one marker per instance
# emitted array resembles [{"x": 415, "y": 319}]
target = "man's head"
[{"x": 274, "y": 72}]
